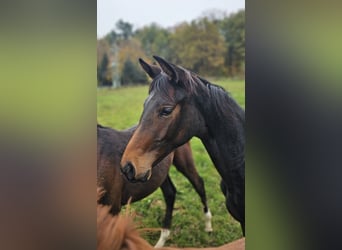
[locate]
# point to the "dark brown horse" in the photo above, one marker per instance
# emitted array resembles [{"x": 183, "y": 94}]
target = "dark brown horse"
[
  {"x": 181, "y": 105},
  {"x": 110, "y": 147}
]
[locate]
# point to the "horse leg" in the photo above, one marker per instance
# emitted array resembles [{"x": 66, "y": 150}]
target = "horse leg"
[
  {"x": 115, "y": 204},
  {"x": 184, "y": 163},
  {"x": 114, "y": 198},
  {"x": 169, "y": 192},
  {"x": 234, "y": 209}
]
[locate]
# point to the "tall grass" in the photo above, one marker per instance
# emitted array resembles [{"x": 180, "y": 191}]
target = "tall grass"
[{"x": 120, "y": 109}]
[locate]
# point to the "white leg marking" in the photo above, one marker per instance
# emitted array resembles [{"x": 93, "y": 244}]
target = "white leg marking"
[
  {"x": 164, "y": 235},
  {"x": 207, "y": 218}
]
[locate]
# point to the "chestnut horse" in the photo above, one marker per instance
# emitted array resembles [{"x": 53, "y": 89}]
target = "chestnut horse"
[
  {"x": 110, "y": 146},
  {"x": 181, "y": 105}
]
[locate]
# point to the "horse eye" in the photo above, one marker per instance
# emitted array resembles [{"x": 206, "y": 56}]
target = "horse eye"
[{"x": 165, "y": 111}]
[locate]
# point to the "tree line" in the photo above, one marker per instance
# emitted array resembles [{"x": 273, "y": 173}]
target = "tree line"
[{"x": 212, "y": 45}]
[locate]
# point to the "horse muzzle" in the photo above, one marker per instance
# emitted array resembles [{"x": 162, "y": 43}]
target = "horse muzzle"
[{"x": 129, "y": 171}]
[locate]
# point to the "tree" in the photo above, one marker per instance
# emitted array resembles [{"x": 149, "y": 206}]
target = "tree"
[
  {"x": 103, "y": 73},
  {"x": 131, "y": 74},
  {"x": 112, "y": 37},
  {"x": 102, "y": 49},
  {"x": 129, "y": 53},
  {"x": 125, "y": 28},
  {"x": 233, "y": 29},
  {"x": 154, "y": 40},
  {"x": 103, "y": 63},
  {"x": 131, "y": 50},
  {"x": 199, "y": 46}
]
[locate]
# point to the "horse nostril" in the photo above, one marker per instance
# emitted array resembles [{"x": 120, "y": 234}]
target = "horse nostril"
[
  {"x": 129, "y": 171},
  {"x": 146, "y": 176}
]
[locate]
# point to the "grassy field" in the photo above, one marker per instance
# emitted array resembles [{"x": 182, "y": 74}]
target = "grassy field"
[{"x": 120, "y": 109}]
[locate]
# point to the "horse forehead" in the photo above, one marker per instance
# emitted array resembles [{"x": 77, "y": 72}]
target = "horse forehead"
[
  {"x": 155, "y": 98},
  {"x": 149, "y": 106},
  {"x": 149, "y": 98}
]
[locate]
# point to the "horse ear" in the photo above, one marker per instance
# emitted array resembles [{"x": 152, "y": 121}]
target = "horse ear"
[
  {"x": 151, "y": 70},
  {"x": 168, "y": 68}
]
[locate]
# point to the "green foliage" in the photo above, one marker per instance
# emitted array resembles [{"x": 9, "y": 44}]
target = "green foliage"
[
  {"x": 112, "y": 37},
  {"x": 103, "y": 73},
  {"x": 199, "y": 46},
  {"x": 120, "y": 109},
  {"x": 125, "y": 29},
  {"x": 131, "y": 74},
  {"x": 211, "y": 45},
  {"x": 129, "y": 50},
  {"x": 233, "y": 29},
  {"x": 154, "y": 40}
]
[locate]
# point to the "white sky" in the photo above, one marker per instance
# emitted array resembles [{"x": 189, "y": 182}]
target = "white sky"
[{"x": 166, "y": 13}]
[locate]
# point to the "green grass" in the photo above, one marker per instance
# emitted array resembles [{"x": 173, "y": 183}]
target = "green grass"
[{"x": 120, "y": 109}]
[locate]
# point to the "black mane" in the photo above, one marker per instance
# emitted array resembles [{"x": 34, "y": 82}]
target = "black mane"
[{"x": 100, "y": 126}]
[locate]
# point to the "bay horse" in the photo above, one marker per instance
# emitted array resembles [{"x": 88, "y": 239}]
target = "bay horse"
[
  {"x": 119, "y": 233},
  {"x": 180, "y": 105},
  {"x": 118, "y": 190}
]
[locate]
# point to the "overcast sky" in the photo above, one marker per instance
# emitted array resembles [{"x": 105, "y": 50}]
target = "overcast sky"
[{"x": 167, "y": 13}]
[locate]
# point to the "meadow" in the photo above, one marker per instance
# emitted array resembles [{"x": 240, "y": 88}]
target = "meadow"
[{"x": 120, "y": 109}]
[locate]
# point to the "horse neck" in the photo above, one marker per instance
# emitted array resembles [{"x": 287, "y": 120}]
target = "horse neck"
[
  {"x": 227, "y": 159},
  {"x": 224, "y": 136}
]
